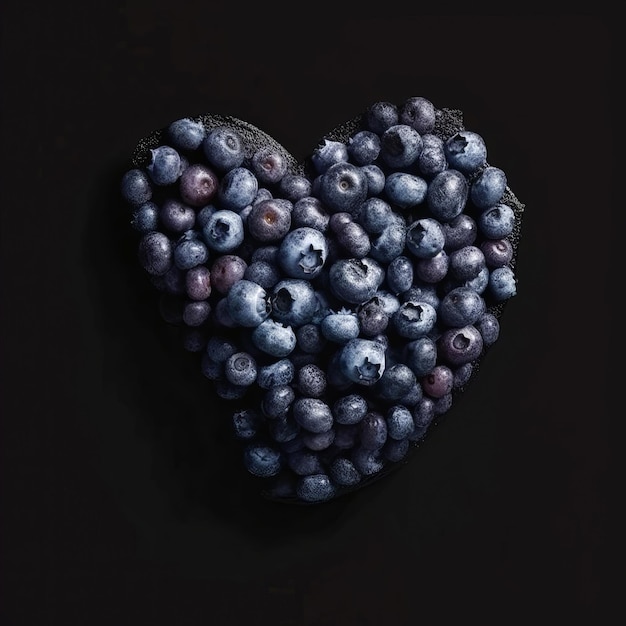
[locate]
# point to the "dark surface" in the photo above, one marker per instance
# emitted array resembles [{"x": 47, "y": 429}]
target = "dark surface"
[{"x": 123, "y": 499}]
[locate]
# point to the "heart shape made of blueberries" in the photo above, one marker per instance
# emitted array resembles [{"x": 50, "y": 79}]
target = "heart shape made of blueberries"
[{"x": 341, "y": 303}]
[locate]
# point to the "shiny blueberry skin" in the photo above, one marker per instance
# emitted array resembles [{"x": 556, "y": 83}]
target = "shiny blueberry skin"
[
  {"x": 447, "y": 195},
  {"x": 460, "y": 307},
  {"x": 312, "y": 414},
  {"x": 155, "y": 253},
  {"x": 339, "y": 327},
  {"x": 262, "y": 460},
  {"x": 268, "y": 165},
  {"x": 375, "y": 179},
  {"x": 405, "y": 190},
  {"x": 145, "y": 217},
  {"x": 466, "y": 151},
  {"x": 248, "y": 303},
  {"x": 318, "y": 441},
  {"x": 293, "y": 187},
  {"x": 237, "y": 189},
  {"x": 438, "y": 382},
  {"x": 196, "y": 313},
  {"x": 310, "y": 339},
  {"x": 380, "y": 116},
  {"x": 419, "y": 113},
  {"x": 497, "y": 222},
  {"x": 226, "y": 270},
  {"x": 399, "y": 274},
  {"x": 311, "y": 381},
  {"x": 343, "y": 472},
  {"x": 497, "y": 252},
  {"x": 356, "y": 280},
  {"x": 373, "y": 319},
  {"x": 354, "y": 240},
  {"x": 274, "y": 338},
  {"x": 395, "y": 450},
  {"x": 432, "y": 158},
  {"x": 363, "y": 147},
  {"x": 277, "y": 401},
  {"x": 198, "y": 185},
  {"x": 136, "y": 187},
  {"x": 395, "y": 382},
  {"x": 400, "y": 146},
  {"x": 459, "y": 232},
  {"x": 223, "y": 148},
  {"x": 302, "y": 253},
  {"x": 309, "y": 211},
  {"x": 399, "y": 422},
  {"x": 425, "y": 238},
  {"x": 362, "y": 361},
  {"x": 391, "y": 241},
  {"x": 224, "y": 231},
  {"x": 280, "y": 372},
  {"x": 502, "y": 283},
  {"x": 421, "y": 355},
  {"x": 489, "y": 327},
  {"x": 198, "y": 282},
  {"x": 165, "y": 166},
  {"x": 374, "y": 214},
  {"x": 343, "y": 187},
  {"x": 458, "y": 346},
  {"x": 315, "y": 488},
  {"x": 328, "y": 153},
  {"x": 466, "y": 262},
  {"x": 423, "y": 415},
  {"x": 488, "y": 188},
  {"x": 350, "y": 409},
  {"x": 433, "y": 270},
  {"x": 186, "y": 134},
  {"x": 293, "y": 302},
  {"x": 373, "y": 431},
  {"x": 190, "y": 252},
  {"x": 270, "y": 220},
  {"x": 176, "y": 216}
]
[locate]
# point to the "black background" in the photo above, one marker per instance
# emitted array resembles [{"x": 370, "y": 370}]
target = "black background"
[{"x": 123, "y": 501}]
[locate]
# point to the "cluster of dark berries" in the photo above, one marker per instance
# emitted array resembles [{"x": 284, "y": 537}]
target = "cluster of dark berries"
[{"x": 340, "y": 303}]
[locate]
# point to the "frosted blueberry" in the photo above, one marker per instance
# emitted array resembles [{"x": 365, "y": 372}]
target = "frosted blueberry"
[
  {"x": 419, "y": 113},
  {"x": 488, "y": 188},
  {"x": 175, "y": 216},
  {"x": 237, "y": 189},
  {"x": 380, "y": 116},
  {"x": 421, "y": 355},
  {"x": 433, "y": 270},
  {"x": 274, "y": 338},
  {"x": 248, "y": 304},
  {"x": 425, "y": 238},
  {"x": 277, "y": 401},
  {"x": 374, "y": 214},
  {"x": 309, "y": 211},
  {"x": 447, "y": 194},
  {"x": 293, "y": 302},
  {"x": 391, "y": 241},
  {"x": 502, "y": 283},
  {"x": 269, "y": 165},
  {"x": 350, "y": 409},
  {"x": 363, "y": 147},
  {"x": 328, "y": 153},
  {"x": 186, "y": 134},
  {"x": 280, "y": 372},
  {"x": 405, "y": 190},
  {"x": 399, "y": 422},
  {"x": 302, "y": 253},
  {"x": 293, "y": 187},
  {"x": 145, "y": 217},
  {"x": 458, "y": 346},
  {"x": 343, "y": 472},
  {"x": 136, "y": 187},
  {"x": 432, "y": 158},
  {"x": 165, "y": 166},
  {"x": 400, "y": 146},
  {"x": 223, "y": 147},
  {"x": 497, "y": 222},
  {"x": 343, "y": 187},
  {"x": 362, "y": 361},
  {"x": 356, "y": 280},
  {"x": 414, "y": 319},
  {"x": 399, "y": 274},
  {"x": 466, "y": 151},
  {"x": 340, "y": 327},
  {"x": 460, "y": 307},
  {"x": 375, "y": 179}
]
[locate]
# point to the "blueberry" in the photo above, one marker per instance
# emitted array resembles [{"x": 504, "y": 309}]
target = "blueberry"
[
  {"x": 343, "y": 187},
  {"x": 176, "y": 216},
  {"x": 309, "y": 211},
  {"x": 488, "y": 188},
  {"x": 363, "y": 147},
  {"x": 433, "y": 270},
  {"x": 277, "y": 401},
  {"x": 375, "y": 178},
  {"x": 315, "y": 488},
  {"x": 165, "y": 166},
  {"x": 447, "y": 195},
  {"x": 318, "y": 441},
  {"x": 458, "y": 346},
  {"x": 346, "y": 436},
  {"x": 263, "y": 273},
  {"x": 227, "y": 270},
  {"x": 302, "y": 253},
  {"x": 459, "y": 232},
  {"x": 497, "y": 252},
  {"x": 222, "y": 316},
  {"x": 145, "y": 217},
  {"x": 136, "y": 187},
  {"x": 268, "y": 253},
  {"x": 391, "y": 241},
  {"x": 466, "y": 262},
  {"x": 328, "y": 153},
  {"x": 280, "y": 372},
  {"x": 293, "y": 187},
  {"x": 462, "y": 375},
  {"x": 343, "y": 472},
  {"x": 198, "y": 282},
  {"x": 203, "y": 215},
  {"x": 210, "y": 368},
  {"x": 414, "y": 319},
  {"x": 293, "y": 302},
  {"x": 269, "y": 165},
  {"x": 405, "y": 190},
  {"x": 438, "y": 382},
  {"x": 422, "y": 292},
  {"x": 155, "y": 253},
  {"x": 412, "y": 396},
  {"x": 198, "y": 185},
  {"x": 399, "y": 274},
  {"x": 396, "y": 381},
  {"x": 395, "y": 450},
  {"x": 240, "y": 369},
  {"x": 373, "y": 431},
  {"x": 444, "y": 403},
  {"x": 304, "y": 462},
  {"x": 340, "y": 327},
  {"x": 420, "y": 355},
  {"x": 223, "y": 231},
  {"x": 311, "y": 381},
  {"x": 196, "y": 312},
  {"x": 432, "y": 158},
  {"x": 220, "y": 348},
  {"x": 374, "y": 214},
  {"x": 237, "y": 189},
  {"x": 399, "y": 422},
  {"x": 356, "y": 280},
  {"x": 400, "y": 146},
  {"x": 497, "y": 222},
  {"x": 489, "y": 328},
  {"x": 285, "y": 431},
  {"x": 460, "y": 307},
  {"x": 248, "y": 303},
  {"x": 313, "y": 414},
  {"x": 350, "y": 409},
  {"x": 246, "y": 424},
  {"x": 465, "y": 151},
  {"x": 362, "y": 361},
  {"x": 367, "y": 462},
  {"x": 502, "y": 283},
  {"x": 274, "y": 338},
  {"x": 309, "y": 338},
  {"x": 373, "y": 319},
  {"x": 425, "y": 238},
  {"x": 224, "y": 149},
  {"x": 270, "y": 220},
  {"x": 423, "y": 414},
  {"x": 186, "y": 134},
  {"x": 380, "y": 116},
  {"x": 262, "y": 460}
]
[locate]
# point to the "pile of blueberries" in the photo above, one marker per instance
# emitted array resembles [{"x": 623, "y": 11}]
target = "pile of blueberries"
[{"x": 340, "y": 303}]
